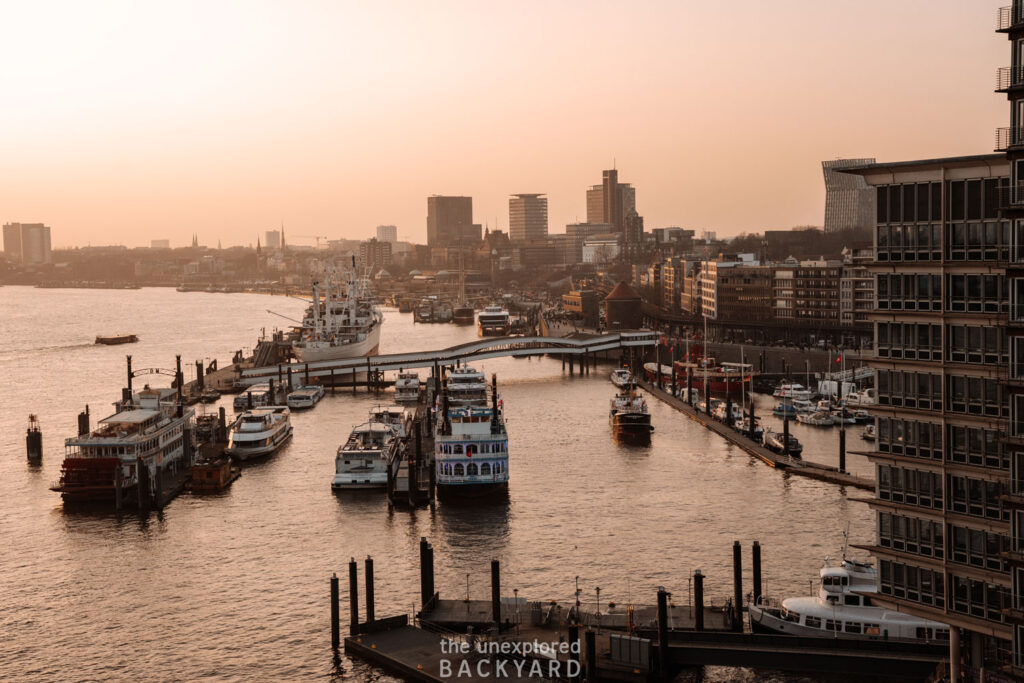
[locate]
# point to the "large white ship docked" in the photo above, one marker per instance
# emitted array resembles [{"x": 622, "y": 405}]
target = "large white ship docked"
[
  {"x": 340, "y": 324},
  {"x": 494, "y": 321},
  {"x": 470, "y": 439},
  {"x": 147, "y": 432}
]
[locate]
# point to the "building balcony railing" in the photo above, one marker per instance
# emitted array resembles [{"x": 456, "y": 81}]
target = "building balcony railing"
[
  {"x": 1009, "y": 77},
  {"x": 1009, "y": 17},
  {"x": 1007, "y": 138}
]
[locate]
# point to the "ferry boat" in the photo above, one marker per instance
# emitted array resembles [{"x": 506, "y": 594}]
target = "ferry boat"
[
  {"x": 305, "y": 397},
  {"x": 470, "y": 439},
  {"x": 259, "y": 432},
  {"x": 629, "y": 417},
  {"x": 362, "y": 461},
  {"x": 793, "y": 390},
  {"x": 408, "y": 387},
  {"x": 621, "y": 377},
  {"x": 112, "y": 339},
  {"x": 146, "y": 433},
  {"x": 340, "y": 325},
  {"x": 494, "y": 321},
  {"x": 774, "y": 441},
  {"x": 843, "y": 608},
  {"x": 256, "y": 396}
]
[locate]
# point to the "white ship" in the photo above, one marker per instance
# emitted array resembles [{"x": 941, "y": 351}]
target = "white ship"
[
  {"x": 305, "y": 397},
  {"x": 843, "y": 609},
  {"x": 621, "y": 377},
  {"x": 362, "y": 461},
  {"x": 340, "y": 324},
  {"x": 396, "y": 417},
  {"x": 146, "y": 433},
  {"x": 259, "y": 432},
  {"x": 494, "y": 321},
  {"x": 794, "y": 390},
  {"x": 407, "y": 387},
  {"x": 471, "y": 441}
]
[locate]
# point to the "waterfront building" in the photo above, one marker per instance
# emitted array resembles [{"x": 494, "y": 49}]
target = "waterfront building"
[
  {"x": 942, "y": 451},
  {"x": 602, "y": 249},
  {"x": 856, "y": 287},
  {"x": 527, "y": 217},
  {"x": 743, "y": 292},
  {"x": 374, "y": 254},
  {"x": 806, "y": 293},
  {"x": 387, "y": 233},
  {"x": 849, "y": 202},
  {"x": 450, "y": 222},
  {"x": 27, "y": 243}
]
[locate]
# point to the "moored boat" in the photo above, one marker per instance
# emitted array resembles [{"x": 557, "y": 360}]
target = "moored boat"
[
  {"x": 816, "y": 419},
  {"x": 305, "y": 397},
  {"x": 112, "y": 339},
  {"x": 869, "y": 433},
  {"x": 784, "y": 409},
  {"x": 259, "y": 432},
  {"x": 621, "y": 377},
  {"x": 792, "y": 390},
  {"x": 629, "y": 416},
  {"x": 408, "y": 387},
  {"x": 340, "y": 325},
  {"x": 775, "y": 441},
  {"x": 494, "y": 321},
  {"x": 362, "y": 461}
]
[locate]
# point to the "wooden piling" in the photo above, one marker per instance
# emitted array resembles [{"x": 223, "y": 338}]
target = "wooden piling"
[
  {"x": 335, "y": 619},
  {"x": 591, "y": 657},
  {"x": 737, "y": 587},
  {"x": 369, "y": 589},
  {"x": 291, "y": 387},
  {"x": 496, "y": 593},
  {"x": 307, "y": 374},
  {"x": 332, "y": 381},
  {"x": 756, "y": 554},
  {"x": 574, "y": 651},
  {"x": 698, "y": 601},
  {"x": 785, "y": 435},
  {"x": 663, "y": 669},
  {"x": 353, "y": 596},
  {"x": 842, "y": 442},
  {"x": 689, "y": 386}
]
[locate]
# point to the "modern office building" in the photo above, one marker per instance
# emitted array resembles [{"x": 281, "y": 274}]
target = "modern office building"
[
  {"x": 272, "y": 239},
  {"x": 857, "y": 287},
  {"x": 450, "y": 222},
  {"x": 578, "y": 234},
  {"x": 849, "y": 202},
  {"x": 527, "y": 217},
  {"x": 387, "y": 233},
  {"x": 945, "y": 488},
  {"x": 611, "y": 201},
  {"x": 27, "y": 243}
]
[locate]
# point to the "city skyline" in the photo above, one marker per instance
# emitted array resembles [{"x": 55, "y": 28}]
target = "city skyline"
[{"x": 225, "y": 133}]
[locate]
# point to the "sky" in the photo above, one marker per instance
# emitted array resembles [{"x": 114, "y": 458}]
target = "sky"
[{"x": 122, "y": 122}]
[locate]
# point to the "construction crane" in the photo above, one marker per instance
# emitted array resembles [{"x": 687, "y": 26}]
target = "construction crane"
[{"x": 314, "y": 237}]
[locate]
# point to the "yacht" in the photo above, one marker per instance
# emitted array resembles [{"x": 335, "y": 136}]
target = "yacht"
[
  {"x": 407, "y": 387},
  {"x": 470, "y": 439},
  {"x": 843, "y": 608},
  {"x": 362, "y": 461},
  {"x": 396, "y": 417},
  {"x": 774, "y": 441},
  {"x": 305, "y": 397},
  {"x": 621, "y": 377},
  {"x": 792, "y": 390},
  {"x": 784, "y": 410},
  {"x": 864, "y": 397},
  {"x": 743, "y": 427},
  {"x": 629, "y": 417},
  {"x": 146, "y": 433},
  {"x": 259, "y": 432},
  {"x": 494, "y": 321},
  {"x": 340, "y": 325},
  {"x": 816, "y": 419},
  {"x": 720, "y": 413}
]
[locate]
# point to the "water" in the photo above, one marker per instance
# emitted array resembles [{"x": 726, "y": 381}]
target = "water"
[{"x": 235, "y": 586}]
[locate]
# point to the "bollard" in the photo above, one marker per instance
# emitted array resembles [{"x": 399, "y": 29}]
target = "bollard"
[
  {"x": 369, "y": 589},
  {"x": 663, "y": 634},
  {"x": 591, "y": 657},
  {"x": 737, "y": 587},
  {"x": 335, "y": 624},
  {"x": 842, "y": 444},
  {"x": 698, "y": 601},
  {"x": 332, "y": 381},
  {"x": 785, "y": 435},
  {"x": 496, "y": 593},
  {"x": 353, "y": 596},
  {"x": 756, "y": 552}
]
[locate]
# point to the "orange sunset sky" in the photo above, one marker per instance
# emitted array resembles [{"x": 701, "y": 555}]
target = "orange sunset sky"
[{"x": 127, "y": 121}]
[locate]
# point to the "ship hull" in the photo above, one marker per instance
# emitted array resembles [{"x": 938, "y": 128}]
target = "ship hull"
[
  {"x": 453, "y": 493},
  {"x": 245, "y": 454},
  {"x": 634, "y": 427},
  {"x": 366, "y": 347}
]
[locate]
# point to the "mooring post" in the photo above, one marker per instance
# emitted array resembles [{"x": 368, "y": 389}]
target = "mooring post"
[
  {"x": 728, "y": 408},
  {"x": 842, "y": 443},
  {"x": 663, "y": 634},
  {"x": 574, "y": 652},
  {"x": 737, "y": 587},
  {"x": 83, "y": 421},
  {"x": 335, "y": 619},
  {"x": 689, "y": 386},
  {"x": 34, "y": 440},
  {"x": 273, "y": 392},
  {"x": 785, "y": 435},
  {"x": 756, "y": 552},
  {"x": 367, "y": 375},
  {"x": 698, "y": 601},
  {"x": 673, "y": 361},
  {"x": 353, "y": 596},
  {"x": 496, "y": 593},
  {"x": 369, "y": 589},
  {"x": 751, "y": 433},
  {"x": 332, "y": 381},
  {"x": 280, "y": 376},
  {"x": 426, "y": 571},
  {"x": 591, "y": 656},
  {"x": 307, "y": 374},
  {"x": 353, "y": 379},
  {"x": 248, "y": 399},
  {"x": 707, "y": 394}
]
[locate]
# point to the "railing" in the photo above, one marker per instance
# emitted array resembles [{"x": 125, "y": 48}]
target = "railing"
[
  {"x": 1009, "y": 17},
  {"x": 1009, "y": 77},
  {"x": 1009, "y": 137}
]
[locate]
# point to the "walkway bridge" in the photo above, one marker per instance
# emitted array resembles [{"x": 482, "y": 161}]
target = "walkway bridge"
[{"x": 490, "y": 347}]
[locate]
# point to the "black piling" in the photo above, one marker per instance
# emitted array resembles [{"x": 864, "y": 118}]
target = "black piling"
[
  {"x": 574, "y": 651},
  {"x": 178, "y": 377},
  {"x": 707, "y": 394},
  {"x": 248, "y": 399},
  {"x": 353, "y": 380},
  {"x": 737, "y": 587},
  {"x": 222, "y": 424},
  {"x": 335, "y": 618},
  {"x": 728, "y": 410},
  {"x": 332, "y": 381},
  {"x": 369, "y": 589},
  {"x": 83, "y": 421},
  {"x": 842, "y": 443},
  {"x": 689, "y": 386},
  {"x": 353, "y": 596},
  {"x": 673, "y": 362},
  {"x": 426, "y": 572},
  {"x": 200, "y": 378},
  {"x": 756, "y": 553},
  {"x": 496, "y": 593},
  {"x": 785, "y": 435},
  {"x": 591, "y": 657},
  {"x": 291, "y": 387},
  {"x": 273, "y": 392},
  {"x": 751, "y": 426},
  {"x": 663, "y": 634},
  {"x": 130, "y": 375},
  {"x": 698, "y": 601},
  {"x": 307, "y": 374}
]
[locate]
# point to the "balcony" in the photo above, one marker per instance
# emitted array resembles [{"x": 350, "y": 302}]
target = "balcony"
[
  {"x": 1009, "y": 138},
  {"x": 1009, "y": 78},
  {"x": 1010, "y": 18}
]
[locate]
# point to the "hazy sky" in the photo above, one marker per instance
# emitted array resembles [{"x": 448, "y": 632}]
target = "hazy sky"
[{"x": 126, "y": 121}]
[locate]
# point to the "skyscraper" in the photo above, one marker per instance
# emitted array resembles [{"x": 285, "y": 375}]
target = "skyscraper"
[
  {"x": 849, "y": 202},
  {"x": 272, "y": 238},
  {"x": 450, "y": 221},
  {"x": 387, "y": 233},
  {"x": 27, "y": 243},
  {"x": 611, "y": 201},
  {"x": 527, "y": 217}
]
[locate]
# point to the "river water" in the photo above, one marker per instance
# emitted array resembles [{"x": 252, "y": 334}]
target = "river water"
[{"x": 235, "y": 586}]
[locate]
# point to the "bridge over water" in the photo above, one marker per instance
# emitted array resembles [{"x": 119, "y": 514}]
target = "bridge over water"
[{"x": 489, "y": 347}]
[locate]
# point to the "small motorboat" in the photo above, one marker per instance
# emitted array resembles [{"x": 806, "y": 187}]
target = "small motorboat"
[
  {"x": 869, "y": 433},
  {"x": 720, "y": 414},
  {"x": 843, "y": 416},
  {"x": 743, "y": 427},
  {"x": 803, "y": 405},
  {"x": 862, "y": 415},
  {"x": 793, "y": 390},
  {"x": 774, "y": 441},
  {"x": 112, "y": 339},
  {"x": 621, "y": 377},
  {"x": 816, "y": 419}
]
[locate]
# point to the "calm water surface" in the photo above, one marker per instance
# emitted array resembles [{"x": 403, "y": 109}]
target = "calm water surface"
[{"x": 234, "y": 586}]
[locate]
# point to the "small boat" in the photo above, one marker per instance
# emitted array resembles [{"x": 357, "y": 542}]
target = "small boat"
[
  {"x": 629, "y": 417},
  {"x": 862, "y": 415},
  {"x": 773, "y": 441},
  {"x": 719, "y": 412},
  {"x": 743, "y": 427},
  {"x": 864, "y": 397},
  {"x": 407, "y": 387},
  {"x": 621, "y": 377},
  {"x": 816, "y": 419},
  {"x": 305, "y": 397},
  {"x": 803, "y": 405},
  {"x": 843, "y": 416},
  {"x": 112, "y": 339},
  {"x": 792, "y": 390},
  {"x": 869, "y": 433},
  {"x": 209, "y": 396},
  {"x": 256, "y": 396},
  {"x": 784, "y": 410},
  {"x": 259, "y": 432},
  {"x": 362, "y": 461},
  {"x": 463, "y": 315}
]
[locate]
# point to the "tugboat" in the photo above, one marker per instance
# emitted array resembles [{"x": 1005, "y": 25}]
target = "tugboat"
[
  {"x": 470, "y": 439},
  {"x": 629, "y": 417}
]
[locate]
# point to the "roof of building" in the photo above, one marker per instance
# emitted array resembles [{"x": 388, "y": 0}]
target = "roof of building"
[
  {"x": 970, "y": 160},
  {"x": 623, "y": 292},
  {"x": 130, "y": 417}
]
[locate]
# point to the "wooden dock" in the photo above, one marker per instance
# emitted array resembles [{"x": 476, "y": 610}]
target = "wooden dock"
[{"x": 796, "y": 466}]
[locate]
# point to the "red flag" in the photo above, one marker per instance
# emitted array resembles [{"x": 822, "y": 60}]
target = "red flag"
[{"x": 839, "y": 360}]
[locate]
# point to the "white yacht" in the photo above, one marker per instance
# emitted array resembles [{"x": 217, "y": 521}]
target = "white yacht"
[
  {"x": 793, "y": 390},
  {"x": 864, "y": 397},
  {"x": 407, "y": 387},
  {"x": 256, "y": 396},
  {"x": 816, "y": 419},
  {"x": 842, "y": 608},
  {"x": 362, "y": 461},
  {"x": 340, "y": 324},
  {"x": 305, "y": 397},
  {"x": 259, "y": 432},
  {"x": 470, "y": 439},
  {"x": 621, "y": 377},
  {"x": 494, "y": 321},
  {"x": 396, "y": 417}
]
